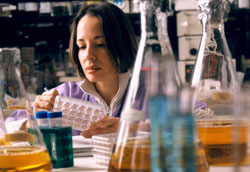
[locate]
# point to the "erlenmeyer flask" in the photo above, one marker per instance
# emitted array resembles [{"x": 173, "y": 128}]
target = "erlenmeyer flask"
[
  {"x": 132, "y": 148},
  {"x": 142, "y": 135},
  {"x": 174, "y": 140},
  {"x": 21, "y": 149},
  {"x": 216, "y": 81}
]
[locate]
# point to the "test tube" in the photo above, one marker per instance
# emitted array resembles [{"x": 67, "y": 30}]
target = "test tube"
[
  {"x": 55, "y": 119},
  {"x": 42, "y": 118}
]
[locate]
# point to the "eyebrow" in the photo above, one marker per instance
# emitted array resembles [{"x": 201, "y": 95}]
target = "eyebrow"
[{"x": 97, "y": 37}]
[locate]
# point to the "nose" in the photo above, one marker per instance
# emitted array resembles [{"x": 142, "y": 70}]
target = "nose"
[{"x": 90, "y": 53}]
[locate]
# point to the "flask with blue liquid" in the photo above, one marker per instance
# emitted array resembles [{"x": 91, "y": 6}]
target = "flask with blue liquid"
[{"x": 175, "y": 145}]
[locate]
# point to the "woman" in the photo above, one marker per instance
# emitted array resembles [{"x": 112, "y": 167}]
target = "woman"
[{"x": 103, "y": 49}]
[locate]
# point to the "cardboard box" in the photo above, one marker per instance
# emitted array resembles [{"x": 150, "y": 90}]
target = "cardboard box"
[
  {"x": 185, "y": 5},
  {"x": 188, "y": 47},
  {"x": 188, "y": 23}
]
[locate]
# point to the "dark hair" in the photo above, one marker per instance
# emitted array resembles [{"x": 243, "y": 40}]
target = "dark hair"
[{"x": 118, "y": 33}]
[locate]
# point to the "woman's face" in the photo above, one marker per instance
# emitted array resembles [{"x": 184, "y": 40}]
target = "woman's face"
[{"x": 95, "y": 59}]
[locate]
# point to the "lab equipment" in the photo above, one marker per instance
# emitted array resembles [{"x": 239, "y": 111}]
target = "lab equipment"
[
  {"x": 77, "y": 113},
  {"x": 59, "y": 144},
  {"x": 131, "y": 151},
  {"x": 216, "y": 82},
  {"x": 102, "y": 147},
  {"x": 55, "y": 119},
  {"x": 58, "y": 139},
  {"x": 21, "y": 149},
  {"x": 42, "y": 118}
]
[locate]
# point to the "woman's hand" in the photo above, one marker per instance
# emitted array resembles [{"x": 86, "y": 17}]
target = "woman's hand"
[
  {"x": 105, "y": 125},
  {"x": 45, "y": 102}
]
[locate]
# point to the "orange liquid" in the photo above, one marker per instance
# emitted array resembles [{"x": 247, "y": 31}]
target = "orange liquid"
[
  {"x": 201, "y": 164},
  {"x": 35, "y": 159},
  {"x": 2, "y": 141},
  {"x": 134, "y": 157},
  {"x": 218, "y": 142}
]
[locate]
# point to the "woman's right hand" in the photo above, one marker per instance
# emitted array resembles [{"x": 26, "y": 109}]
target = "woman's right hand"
[{"x": 45, "y": 102}]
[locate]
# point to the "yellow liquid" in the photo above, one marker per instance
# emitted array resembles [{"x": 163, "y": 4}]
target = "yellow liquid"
[
  {"x": 218, "y": 142},
  {"x": 35, "y": 159},
  {"x": 134, "y": 157}
]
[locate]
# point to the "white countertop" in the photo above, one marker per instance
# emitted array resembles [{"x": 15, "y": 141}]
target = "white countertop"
[
  {"x": 87, "y": 164},
  {"x": 83, "y": 164}
]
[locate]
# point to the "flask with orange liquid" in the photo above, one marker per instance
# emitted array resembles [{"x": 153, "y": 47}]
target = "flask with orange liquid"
[
  {"x": 22, "y": 148},
  {"x": 217, "y": 81}
]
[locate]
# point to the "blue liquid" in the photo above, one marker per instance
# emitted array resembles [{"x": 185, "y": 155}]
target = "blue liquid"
[{"x": 172, "y": 137}]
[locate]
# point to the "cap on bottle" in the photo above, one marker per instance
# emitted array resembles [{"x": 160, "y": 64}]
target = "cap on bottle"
[
  {"x": 41, "y": 114},
  {"x": 54, "y": 114}
]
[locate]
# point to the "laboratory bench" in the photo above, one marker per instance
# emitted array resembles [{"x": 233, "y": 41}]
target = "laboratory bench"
[{"x": 83, "y": 164}]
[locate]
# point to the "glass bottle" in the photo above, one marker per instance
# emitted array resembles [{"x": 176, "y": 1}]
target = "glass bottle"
[
  {"x": 215, "y": 80},
  {"x": 21, "y": 147}
]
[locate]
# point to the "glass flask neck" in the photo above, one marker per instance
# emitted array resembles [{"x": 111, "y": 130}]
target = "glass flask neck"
[
  {"x": 214, "y": 61},
  {"x": 10, "y": 57},
  {"x": 164, "y": 76},
  {"x": 211, "y": 27},
  {"x": 148, "y": 28},
  {"x": 215, "y": 35},
  {"x": 213, "y": 14},
  {"x": 150, "y": 11}
]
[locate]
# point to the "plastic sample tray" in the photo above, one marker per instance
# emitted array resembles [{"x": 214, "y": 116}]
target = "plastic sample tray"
[
  {"x": 102, "y": 148},
  {"x": 77, "y": 113}
]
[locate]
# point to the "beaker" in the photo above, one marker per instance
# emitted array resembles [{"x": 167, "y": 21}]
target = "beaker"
[{"x": 21, "y": 147}]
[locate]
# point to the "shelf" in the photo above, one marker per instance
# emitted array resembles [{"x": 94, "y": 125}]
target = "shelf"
[
  {"x": 47, "y": 19},
  {"x": 17, "y": 1},
  {"x": 35, "y": 19}
]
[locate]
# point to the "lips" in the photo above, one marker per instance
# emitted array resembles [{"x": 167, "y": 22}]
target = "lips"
[{"x": 92, "y": 69}]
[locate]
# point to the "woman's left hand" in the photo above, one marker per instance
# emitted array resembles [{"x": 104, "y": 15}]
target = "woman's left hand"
[{"x": 105, "y": 125}]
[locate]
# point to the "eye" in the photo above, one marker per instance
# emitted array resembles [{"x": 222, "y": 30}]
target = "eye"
[
  {"x": 101, "y": 45},
  {"x": 81, "y": 47}
]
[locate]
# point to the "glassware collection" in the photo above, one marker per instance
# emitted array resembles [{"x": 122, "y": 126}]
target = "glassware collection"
[
  {"x": 164, "y": 125},
  {"x": 22, "y": 149}
]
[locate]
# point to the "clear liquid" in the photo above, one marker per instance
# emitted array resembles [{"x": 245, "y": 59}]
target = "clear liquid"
[{"x": 35, "y": 159}]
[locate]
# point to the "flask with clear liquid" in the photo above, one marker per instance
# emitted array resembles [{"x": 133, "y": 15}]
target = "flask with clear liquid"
[
  {"x": 216, "y": 81},
  {"x": 21, "y": 147}
]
